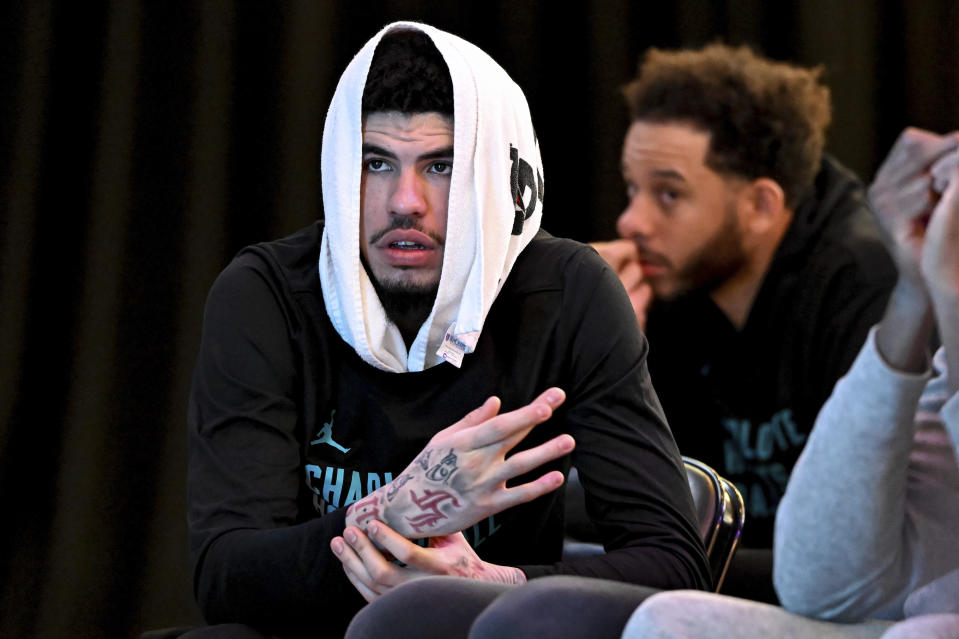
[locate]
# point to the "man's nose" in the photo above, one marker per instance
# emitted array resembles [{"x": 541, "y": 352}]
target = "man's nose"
[
  {"x": 637, "y": 219},
  {"x": 409, "y": 194}
]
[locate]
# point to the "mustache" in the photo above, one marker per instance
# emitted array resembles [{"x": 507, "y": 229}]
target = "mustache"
[
  {"x": 651, "y": 256},
  {"x": 407, "y": 223}
]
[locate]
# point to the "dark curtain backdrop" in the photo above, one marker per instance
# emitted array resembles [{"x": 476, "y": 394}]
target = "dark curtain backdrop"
[{"x": 143, "y": 143}]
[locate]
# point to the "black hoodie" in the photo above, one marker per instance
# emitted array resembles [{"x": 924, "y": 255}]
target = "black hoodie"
[
  {"x": 744, "y": 400},
  {"x": 288, "y": 427}
]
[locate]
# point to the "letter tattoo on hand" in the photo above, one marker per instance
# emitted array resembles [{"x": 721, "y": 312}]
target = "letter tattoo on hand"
[
  {"x": 366, "y": 509},
  {"x": 423, "y": 461},
  {"x": 444, "y": 470},
  {"x": 395, "y": 486},
  {"x": 429, "y": 503}
]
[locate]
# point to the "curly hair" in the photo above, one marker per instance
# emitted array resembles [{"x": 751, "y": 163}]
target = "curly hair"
[
  {"x": 765, "y": 118},
  {"x": 408, "y": 74}
]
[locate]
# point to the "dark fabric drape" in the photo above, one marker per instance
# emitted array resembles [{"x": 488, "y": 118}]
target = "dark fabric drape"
[{"x": 143, "y": 143}]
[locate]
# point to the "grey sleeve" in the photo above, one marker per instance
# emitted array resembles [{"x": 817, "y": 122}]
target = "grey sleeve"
[{"x": 843, "y": 548}]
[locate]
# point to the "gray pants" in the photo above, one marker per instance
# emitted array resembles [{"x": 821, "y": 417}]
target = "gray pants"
[
  {"x": 451, "y": 607},
  {"x": 688, "y": 614}
]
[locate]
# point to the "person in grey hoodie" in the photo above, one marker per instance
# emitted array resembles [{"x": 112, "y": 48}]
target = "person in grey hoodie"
[{"x": 865, "y": 537}]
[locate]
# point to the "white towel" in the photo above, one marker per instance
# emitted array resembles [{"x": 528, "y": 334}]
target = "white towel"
[{"x": 497, "y": 171}]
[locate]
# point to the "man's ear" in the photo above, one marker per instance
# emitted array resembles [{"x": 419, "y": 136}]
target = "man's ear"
[{"x": 766, "y": 203}]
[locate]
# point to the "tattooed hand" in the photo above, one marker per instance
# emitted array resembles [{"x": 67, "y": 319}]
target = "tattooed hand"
[
  {"x": 373, "y": 574},
  {"x": 460, "y": 477}
]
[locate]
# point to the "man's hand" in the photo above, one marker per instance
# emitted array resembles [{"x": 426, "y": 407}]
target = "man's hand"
[
  {"x": 940, "y": 254},
  {"x": 460, "y": 477},
  {"x": 372, "y": 573},
  {"x": 940, "y": 267},
  {"x": 623, "y": 258},
  {"x": 943, "y": 169},
  {"x": 903, "y": 196}
]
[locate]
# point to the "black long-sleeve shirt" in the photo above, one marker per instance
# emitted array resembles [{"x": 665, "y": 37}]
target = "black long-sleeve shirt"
[
  {"x": 288, "y": 426},
  {"x": 744, "y": 400}
]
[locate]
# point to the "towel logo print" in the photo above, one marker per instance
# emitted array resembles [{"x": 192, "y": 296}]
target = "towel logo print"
[
  {"x": 521, "y": 178},
  {"x": 325, "y": 436}
]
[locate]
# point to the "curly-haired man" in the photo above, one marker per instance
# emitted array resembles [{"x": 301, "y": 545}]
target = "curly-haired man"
[{"x": 752, "y": 261}]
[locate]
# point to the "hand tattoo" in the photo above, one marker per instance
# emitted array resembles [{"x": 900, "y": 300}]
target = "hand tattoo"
[
  {"x": 367, "y": 509},
  {"x": 443, "y": 470},
  {"x": 395, "y": 486},
  {"x": 423, "y": 461},
  {"x": 429, "y": 503},
  {"x": 463, "y": 568}
]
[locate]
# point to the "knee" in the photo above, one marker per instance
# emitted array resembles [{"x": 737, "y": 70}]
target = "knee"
[
  {"x": 520, "y": 614},
  {"x": 382, "y": 616},
  {"x": 933, "y": 626},
  {"x": 657, "y": 617},
  {"x": 554, "y": 592},
  {"x": 564, "y": 606},
  {"x": 429, "y": 607}
]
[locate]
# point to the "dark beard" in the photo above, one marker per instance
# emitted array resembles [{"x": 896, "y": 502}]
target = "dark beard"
[
  {"x": 406, "y": 305},
  {"x": 721, "y": 258}
]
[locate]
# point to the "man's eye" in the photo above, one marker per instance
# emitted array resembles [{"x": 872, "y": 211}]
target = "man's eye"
[
  {"x": 442, "y": 168},
  {"x": 668, "y": 196},
  {"x": 377, "y": 165}
]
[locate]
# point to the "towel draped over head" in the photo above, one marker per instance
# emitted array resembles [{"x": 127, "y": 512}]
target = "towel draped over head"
[{"x": 495, "y": 208}]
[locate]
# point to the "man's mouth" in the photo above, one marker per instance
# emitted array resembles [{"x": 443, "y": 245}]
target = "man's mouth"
[
  {"x": 405, "y": 240},
  {"x": 406, "y": 245},
  {"x": 650, "y": 261},
  {"x": 652, "y": 264},
  {"x": 409, "y": 248}
]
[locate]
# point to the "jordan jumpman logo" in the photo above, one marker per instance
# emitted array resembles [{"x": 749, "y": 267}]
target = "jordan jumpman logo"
[{"x": 325, "y": 436}]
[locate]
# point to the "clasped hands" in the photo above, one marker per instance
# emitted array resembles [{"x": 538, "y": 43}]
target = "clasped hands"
[
  {"x": 458, "y": 479},
  {"x": 915, "y": 197}
]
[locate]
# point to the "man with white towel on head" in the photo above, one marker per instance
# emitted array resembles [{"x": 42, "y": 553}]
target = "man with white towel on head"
[{"x": 398, "y": 390}]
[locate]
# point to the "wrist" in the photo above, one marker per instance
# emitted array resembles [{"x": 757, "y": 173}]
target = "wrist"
[
  {"x": 503, "y": 574},
  {"x": 911, "y": 291},
  {"x": 944, "y": 295},
  {"x": 519, "y": 577},
  {"x": 373, "y": 507},
  {"x": 903, "y": 334}
]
